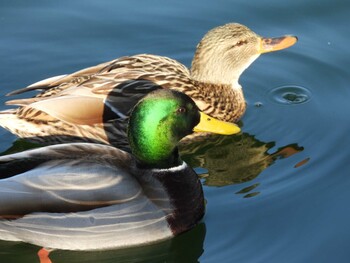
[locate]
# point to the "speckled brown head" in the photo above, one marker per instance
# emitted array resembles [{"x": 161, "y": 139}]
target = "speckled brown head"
[{"x": 226, "y": 51}]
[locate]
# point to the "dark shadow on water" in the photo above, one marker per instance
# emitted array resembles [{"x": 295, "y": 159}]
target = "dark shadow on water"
[{"x": 187, "y": 247}]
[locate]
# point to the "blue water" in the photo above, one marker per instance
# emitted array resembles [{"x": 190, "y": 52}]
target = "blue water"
[{"x": 276, "y": 193}]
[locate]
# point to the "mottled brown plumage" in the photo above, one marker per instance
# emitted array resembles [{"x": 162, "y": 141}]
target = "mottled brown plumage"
[{"x": 94, "y": 103}]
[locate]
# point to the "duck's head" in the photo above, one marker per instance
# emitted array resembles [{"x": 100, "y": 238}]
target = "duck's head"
[
  {"x": 160, "y": 120},
  {"x": 226, "y": 51}
]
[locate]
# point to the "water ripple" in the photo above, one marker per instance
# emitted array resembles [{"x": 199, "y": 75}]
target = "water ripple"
[{"x": 290, "y": 95}]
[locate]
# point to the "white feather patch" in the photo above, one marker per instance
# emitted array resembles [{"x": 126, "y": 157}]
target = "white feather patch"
[{"x": 172, "y": 169}]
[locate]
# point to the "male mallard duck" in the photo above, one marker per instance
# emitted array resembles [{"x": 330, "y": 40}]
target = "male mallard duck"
[
  {"x": 86, "y": 196},
  {"x": 91, "y": 104}
]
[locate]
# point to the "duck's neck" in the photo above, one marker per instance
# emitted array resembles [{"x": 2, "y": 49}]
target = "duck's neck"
[
  {"x": 211, "y": 68},
  {"x": 214, "y": 74}
]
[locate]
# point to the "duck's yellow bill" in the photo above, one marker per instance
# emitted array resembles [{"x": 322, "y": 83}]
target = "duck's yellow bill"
[
  {"x": 276, "y": 43},
  {"x": 209, "y": 124}
]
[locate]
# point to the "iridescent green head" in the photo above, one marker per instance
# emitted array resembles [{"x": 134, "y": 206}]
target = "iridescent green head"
[{"x": 159, "y": 121}]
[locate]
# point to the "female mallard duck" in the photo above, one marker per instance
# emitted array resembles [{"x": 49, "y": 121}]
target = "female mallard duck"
[
  {"x": 91, "y": 104},
  {"x": 86, "y": 196}
]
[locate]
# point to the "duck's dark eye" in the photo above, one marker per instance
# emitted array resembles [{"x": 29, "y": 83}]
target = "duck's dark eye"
[
  {"x": 241, "y": 42},
  {"x": 181, "y": 110}
]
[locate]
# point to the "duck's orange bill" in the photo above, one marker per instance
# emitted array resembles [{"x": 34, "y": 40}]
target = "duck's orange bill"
[
  {"x": 276, "y": 43},
  {"x": 209, "y": 124}
]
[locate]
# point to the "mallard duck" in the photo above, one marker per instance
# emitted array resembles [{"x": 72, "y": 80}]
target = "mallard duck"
[
  {"x": 92, "y": 104},
  {"x": 86, "y": 196}
]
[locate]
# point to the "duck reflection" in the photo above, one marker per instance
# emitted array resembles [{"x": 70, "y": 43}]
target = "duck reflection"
[
  {"x": 187, "y": 247},
  {"x": 232, "y": 159}
]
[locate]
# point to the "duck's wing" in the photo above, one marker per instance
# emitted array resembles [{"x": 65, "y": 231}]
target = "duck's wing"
[
  {"x": 67, "y": 80},
  {"x": 83, "y": 109},
  {"x": 105, "y": 78},
  {"x": 65, "y": 178}
]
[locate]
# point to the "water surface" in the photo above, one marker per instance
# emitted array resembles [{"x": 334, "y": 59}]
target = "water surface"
[{"x": 276, "y": 193}]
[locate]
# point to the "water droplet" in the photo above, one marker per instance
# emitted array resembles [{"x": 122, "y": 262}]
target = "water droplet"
[
  {"x": 258, "y": 104},
  {"x": 290, "y": 95}
]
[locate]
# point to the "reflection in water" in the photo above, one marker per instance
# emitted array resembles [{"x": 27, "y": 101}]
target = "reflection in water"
[
  {"x": 232, "y": 159},
  {"x": 247, "y": 191},
  {"x": 301, "y": 163},
  {"x": 187, "y": 247},
  {"x": 184, "y": 248},
  {"x": 20, "y": 145}
]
